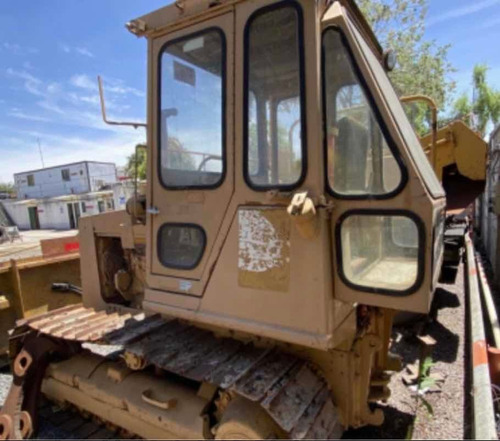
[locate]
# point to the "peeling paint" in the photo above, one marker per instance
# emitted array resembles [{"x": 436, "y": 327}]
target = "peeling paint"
[
  {"x": 264, "y": 248},
  {"x": 260, "y": 248}
]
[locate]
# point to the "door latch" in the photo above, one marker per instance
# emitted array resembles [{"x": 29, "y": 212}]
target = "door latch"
[
  {"x": 153, "y": 211},
  {"x": 303, "y": 212}
]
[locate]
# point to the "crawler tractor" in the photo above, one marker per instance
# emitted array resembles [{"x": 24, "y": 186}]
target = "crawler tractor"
[{"x": 290, "y": 212}]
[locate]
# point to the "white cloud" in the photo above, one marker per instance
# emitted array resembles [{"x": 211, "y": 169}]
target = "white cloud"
[
  {"x": 83, "y": 82},
  {"x": 32, "y": 84},
  {"x": 16, "y": 113},
  {"x": 84, "y": 51},
  {"x": 80, "y": 50},
  {"x": 462, "y": 11},
  {"x": 17, "y": 49}
]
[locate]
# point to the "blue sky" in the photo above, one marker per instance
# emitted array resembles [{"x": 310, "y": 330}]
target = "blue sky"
[{"x": 51, "y": 52}]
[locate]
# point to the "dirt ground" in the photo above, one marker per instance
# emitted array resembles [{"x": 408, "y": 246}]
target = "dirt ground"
[{"x": 29, "y": 246}]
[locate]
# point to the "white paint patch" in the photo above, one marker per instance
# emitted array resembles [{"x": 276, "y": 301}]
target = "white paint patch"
[{"x": 260, "y": 248}]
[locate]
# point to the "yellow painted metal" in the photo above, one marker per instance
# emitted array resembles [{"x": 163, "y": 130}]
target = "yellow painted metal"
[{"x": 460, "y": 145}]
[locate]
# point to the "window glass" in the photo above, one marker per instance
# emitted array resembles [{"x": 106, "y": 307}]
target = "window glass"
[
  {"x": 31, "y": 180},
  {"x": 65, "y": 174},
  {"x": 360, "y": 162},
  {"x": 180, "y": 246},
  {"x": 380, "y": 251},
  {"x": 274, "y": 154},
  {"x": 191, "y": 116}
]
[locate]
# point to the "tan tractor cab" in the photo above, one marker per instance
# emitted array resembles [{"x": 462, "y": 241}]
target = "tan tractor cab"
[{"x": 290, "y": 211}]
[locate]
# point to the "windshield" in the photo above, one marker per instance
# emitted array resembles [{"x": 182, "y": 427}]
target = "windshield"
[{"x": 192, "y": 110}]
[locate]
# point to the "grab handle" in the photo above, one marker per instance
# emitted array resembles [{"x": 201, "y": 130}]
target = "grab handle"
[{"x": 147, "y": 397}]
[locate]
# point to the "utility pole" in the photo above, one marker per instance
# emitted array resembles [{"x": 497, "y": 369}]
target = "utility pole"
[{"x": 40, "y": 150}]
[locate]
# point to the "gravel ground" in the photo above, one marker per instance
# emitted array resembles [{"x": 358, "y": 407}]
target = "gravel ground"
[{"x": 447, "y": 325}]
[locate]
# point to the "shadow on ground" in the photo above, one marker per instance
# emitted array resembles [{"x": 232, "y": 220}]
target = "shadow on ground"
[{"x": 396, "y": 425}]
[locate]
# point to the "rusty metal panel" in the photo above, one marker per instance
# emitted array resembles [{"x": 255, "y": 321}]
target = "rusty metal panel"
[
  {"x": 307, "y": 420},
  {"x": 39, "y": 321},
  {"x": 237, "y": 366},
  {"x": 264, "y": 375},
  {"x": 54, "y": 313},
  {"x": 326, "y": 424},
  {"x": 164, "y": 351},
  {"x": 134, "y": 330},
  {"x": 73, "y": 318},
  {"x": 225, "y": 349},
  {"x": 292, "y": 401},
  {"x": 70, "y": 330},
  {"x": 191, "y": 353},
  {"x": 163, "y": 335}
]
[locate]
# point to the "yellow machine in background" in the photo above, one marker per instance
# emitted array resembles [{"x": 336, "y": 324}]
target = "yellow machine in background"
[
  {"x": 460, "y": 163},
  {"x": 458, "y": 156}
]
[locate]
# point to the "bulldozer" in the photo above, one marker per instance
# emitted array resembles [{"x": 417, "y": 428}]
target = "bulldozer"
[{"x": 290, "y": 213}]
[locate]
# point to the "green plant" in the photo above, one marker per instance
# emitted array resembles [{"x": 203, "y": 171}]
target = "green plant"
[{"x": 425, "y": 381}]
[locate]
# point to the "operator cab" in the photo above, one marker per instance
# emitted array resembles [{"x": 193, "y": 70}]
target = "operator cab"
[{"x": 285, "y": 182}]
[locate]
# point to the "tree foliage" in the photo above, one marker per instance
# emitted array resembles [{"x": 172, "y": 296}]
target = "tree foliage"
[
  {"x": 130, "y": 169},
  {"x": 6, "y": 187},
  {"x": 423, "y": 66},
  {"x": 485, "y": 106}
]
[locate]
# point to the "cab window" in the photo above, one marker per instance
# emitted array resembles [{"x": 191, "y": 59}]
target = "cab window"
[
  {"x": 360, "y": 162},
  {"x": 191, "y": 117},
  {"x": 274, "y": 96}
]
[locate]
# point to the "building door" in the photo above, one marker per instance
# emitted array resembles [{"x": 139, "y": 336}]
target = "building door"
[
  {"x": 100, "y": 205},
  {"x": 71, "y": 214},
  {"x": 34, "y": 221},
  {"x": 76, "y": 209}
]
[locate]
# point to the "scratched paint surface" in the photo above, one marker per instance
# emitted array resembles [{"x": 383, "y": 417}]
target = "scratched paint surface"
[{"x": 264, "y": 249}]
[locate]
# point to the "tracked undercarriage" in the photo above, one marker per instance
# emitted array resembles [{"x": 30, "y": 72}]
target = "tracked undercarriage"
[{"x": 290, "y": 390}]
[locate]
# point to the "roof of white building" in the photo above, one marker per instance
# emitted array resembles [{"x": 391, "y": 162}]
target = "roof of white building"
[
  {"x": 68, "y": 197},
  {"x": 64, "y": 165}
]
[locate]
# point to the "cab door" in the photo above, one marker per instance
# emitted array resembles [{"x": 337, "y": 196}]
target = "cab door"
[
  {"x": 191, "y": 165},
  {"x": 384, "y": 192}
]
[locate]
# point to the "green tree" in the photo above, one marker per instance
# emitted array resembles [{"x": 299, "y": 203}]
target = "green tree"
[
  {"x": 6, "y": 187},
  {"x": 485, "y": 107},
  {"x": 423, "y": 66},
  {"x": 130, "y": 169}
]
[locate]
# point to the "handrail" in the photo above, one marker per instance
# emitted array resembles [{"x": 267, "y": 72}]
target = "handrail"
[
  {"x": 484, "y": 426},
  {"x": 432, "y": 104},
  {"x": 135, "y": 125}
]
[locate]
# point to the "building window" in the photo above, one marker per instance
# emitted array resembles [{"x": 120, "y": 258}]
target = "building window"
[
  {"x": 192, "y": 108},
  {"x": 100, "y": 206},
  {"x": 181, "y": 246},
  {"x": 65, "y": 174},
  {"x": 31, "y": 180},
  {"x": 84, "y": 207},
  {"x": 274, "y": 95}
]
